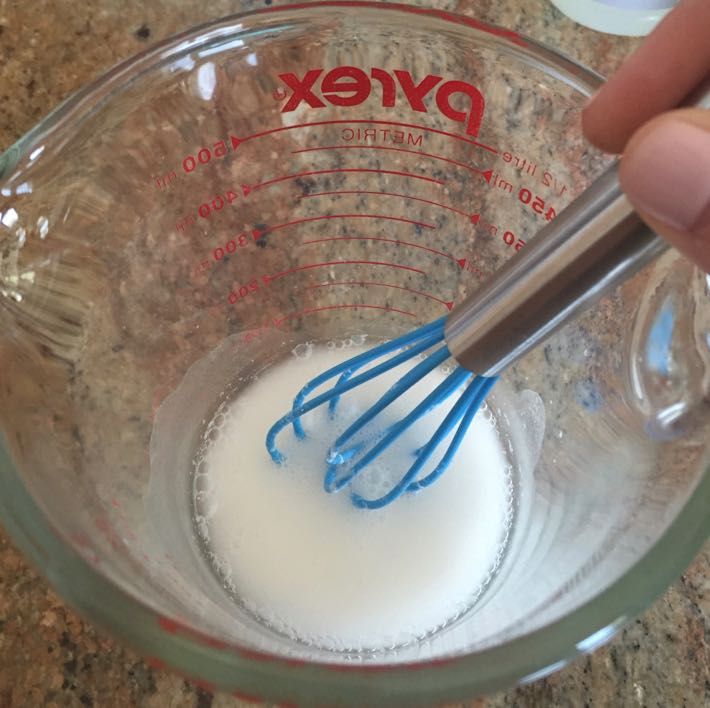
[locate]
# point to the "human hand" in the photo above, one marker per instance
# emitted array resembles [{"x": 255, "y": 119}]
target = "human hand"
[{"x": 665, "y": 168}]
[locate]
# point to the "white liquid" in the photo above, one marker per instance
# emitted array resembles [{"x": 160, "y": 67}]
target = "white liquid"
[{"x": 312, "y": 565}]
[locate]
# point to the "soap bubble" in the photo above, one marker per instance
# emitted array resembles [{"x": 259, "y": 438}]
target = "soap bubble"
[{"x": 303, "y": 351}]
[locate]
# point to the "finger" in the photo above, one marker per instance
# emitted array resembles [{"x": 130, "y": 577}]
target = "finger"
[
  {"x": 665, "y": 173},
  {"x": 669, "y": 65}
]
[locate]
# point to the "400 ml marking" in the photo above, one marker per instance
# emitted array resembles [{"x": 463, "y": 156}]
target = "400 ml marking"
[{"x": 208, "y": 208}]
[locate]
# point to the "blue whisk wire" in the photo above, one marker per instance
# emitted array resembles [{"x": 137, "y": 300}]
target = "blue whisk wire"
[
  {"x": 434, "y": 329},
  {"x": 347, "y": 457},
  {"x": 479, "y": 388},
  {"x": 425, "y": 337},
  {"x": 333, "y": 403},
  {"x": 462, "y": 413},
  {"x": 435, "y": 398},
  {"x": 399, "y": 388}
]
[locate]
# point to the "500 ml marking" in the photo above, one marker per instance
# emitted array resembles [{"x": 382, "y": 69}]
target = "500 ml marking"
[{"x": 205, "y": 155}]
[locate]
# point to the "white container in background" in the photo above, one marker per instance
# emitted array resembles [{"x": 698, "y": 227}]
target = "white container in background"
[{"x": 628, "y": 17}]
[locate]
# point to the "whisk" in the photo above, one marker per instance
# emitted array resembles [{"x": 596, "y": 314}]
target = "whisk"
[{"x": 597, "y": 242}]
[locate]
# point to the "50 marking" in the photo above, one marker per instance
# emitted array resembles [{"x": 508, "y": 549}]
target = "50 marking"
[{"x": 511, "y": 240}]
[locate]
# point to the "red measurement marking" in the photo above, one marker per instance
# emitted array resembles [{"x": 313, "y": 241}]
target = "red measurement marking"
[
  {"x": 470, "y": 267},
  {"x": 447, "y": 303},
  {"x": 236, "y": 142},
  {"x": 344, "y": 307},
  {"x": 386, "y": 240},
  {"x": 257, "y": 233},
  {"x": 536, "y": 203},
  {"x": 269, "y": 278},
  {"x": 162, "y": 182},
  {"x": 388, "y": 194},
  {"x": 346, "y": 169},
  {"x": 486, "y": 174},
  {"x": 509, "y": 237}
]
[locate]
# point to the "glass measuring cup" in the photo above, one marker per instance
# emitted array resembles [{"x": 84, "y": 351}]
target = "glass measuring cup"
[{"x": 102, "y": 265}]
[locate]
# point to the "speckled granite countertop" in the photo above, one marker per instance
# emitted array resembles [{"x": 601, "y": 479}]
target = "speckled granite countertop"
[{"x": 50, "y": 657}]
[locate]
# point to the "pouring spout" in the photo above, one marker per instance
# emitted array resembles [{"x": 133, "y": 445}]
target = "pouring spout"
[{"x": 44, "y": 298}]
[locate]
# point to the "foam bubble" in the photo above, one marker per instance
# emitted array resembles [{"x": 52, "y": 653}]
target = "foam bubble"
[
  {"x": 201, "y": 482},
  {"x": 303, "y": 351}
]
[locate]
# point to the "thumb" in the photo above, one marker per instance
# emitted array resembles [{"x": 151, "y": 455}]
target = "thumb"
[{"x": 665, "y": 173}]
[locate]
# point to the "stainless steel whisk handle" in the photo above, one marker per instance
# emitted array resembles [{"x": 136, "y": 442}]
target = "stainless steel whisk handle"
[{"x": 592, "y": 246}]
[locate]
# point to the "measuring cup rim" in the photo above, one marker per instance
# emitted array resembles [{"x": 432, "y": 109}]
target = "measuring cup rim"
[
  {"x": 138, "y": 623},
  {"x": 64, "y": 120}
]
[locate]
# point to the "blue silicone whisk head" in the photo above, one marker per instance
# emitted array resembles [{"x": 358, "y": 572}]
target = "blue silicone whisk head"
[{"x": 347, "y": 459}]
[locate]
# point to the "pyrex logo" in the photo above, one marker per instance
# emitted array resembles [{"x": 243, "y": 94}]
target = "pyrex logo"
[{"x": 351, "y": 86}]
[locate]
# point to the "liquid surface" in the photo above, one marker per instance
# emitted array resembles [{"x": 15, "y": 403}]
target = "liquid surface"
[{"x": 310, "y": 564}]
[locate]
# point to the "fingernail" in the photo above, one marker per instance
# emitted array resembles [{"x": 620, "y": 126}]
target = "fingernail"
[{"x": 666, "y": 174}]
